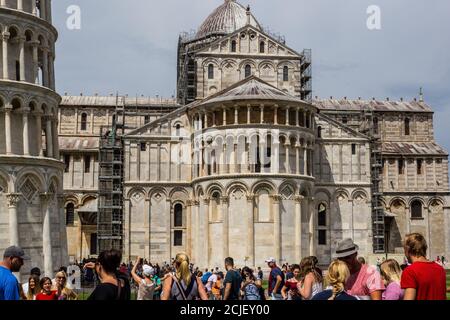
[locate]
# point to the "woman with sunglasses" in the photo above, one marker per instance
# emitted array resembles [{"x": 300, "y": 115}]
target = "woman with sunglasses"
[
  {"x": 63, "y": 292},
  {"x": 47, "y": 293}
]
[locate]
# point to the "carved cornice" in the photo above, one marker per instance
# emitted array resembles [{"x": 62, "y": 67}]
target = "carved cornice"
[
  {"x": 276, "y": 198},
  {"x": 299, "y": 199}
]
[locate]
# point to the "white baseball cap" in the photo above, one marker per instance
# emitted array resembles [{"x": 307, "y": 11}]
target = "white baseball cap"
[
  {"x": 271, "y": 259},
  {"x": 147, "y": 270}
]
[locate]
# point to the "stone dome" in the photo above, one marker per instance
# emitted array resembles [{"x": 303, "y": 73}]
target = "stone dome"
[{"x": 227, "y": 18}]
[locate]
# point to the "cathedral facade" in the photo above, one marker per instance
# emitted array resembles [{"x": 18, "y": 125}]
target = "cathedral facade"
[{"x": 245, "y": 163}]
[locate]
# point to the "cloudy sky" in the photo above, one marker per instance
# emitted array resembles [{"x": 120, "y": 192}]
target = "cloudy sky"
[{"x": 130, "y": 46}]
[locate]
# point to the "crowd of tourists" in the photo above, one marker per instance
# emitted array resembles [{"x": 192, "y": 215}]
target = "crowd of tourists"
[{"x": 348, "y": 277}]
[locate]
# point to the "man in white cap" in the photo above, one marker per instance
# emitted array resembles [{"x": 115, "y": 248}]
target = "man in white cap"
[
  {"x": 365, "y": 281},
  {"x": 13, "y": 258},
  {"x": 276, "y": 280},
  {"x": 146, "y": 285}
]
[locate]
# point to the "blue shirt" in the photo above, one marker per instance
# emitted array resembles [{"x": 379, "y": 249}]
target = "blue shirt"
[{"x": 9, "y": 287}]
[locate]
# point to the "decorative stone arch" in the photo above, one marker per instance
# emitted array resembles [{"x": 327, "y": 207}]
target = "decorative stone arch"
[
  {"x": 226, "y": 62},
  {"x": 284, "y": 63},
  {"x": 23, "y": 174},
  {"x": 136, "y": 190},
  {"x": 421, "y": 200},
  {"x": 245, "y": 62},
  {"x": 327, "y": 196},
  {"x": 341, "y": 194},
  {"x": 29, "y": 33},
  {"x": 214, "y": 187},
  {"x": 4, "y": 181},
  {"x": 435, "y": 200},
  {"x": 55, "y": 183},
  {"x": 17, "y": 29},
  {"x": 264, "y": 184},
  {"x": 155, "y": 191},
  {"x": 180, "y": 194},
  {"x": 305, "y": 189},
  {"x": 30, "y": 184},
  {"x": 198, "y": 191},
  {"x": 72, "y": 198},
  {"x": 288, "y": 183},
  {"x": 359, "y": 193},
  {"x": 267, "y": 62},
  {"x": 397, "y": 199},
  {"x": 232, "y": 186},
  {"x": 209, "y": 61},
  {"x": 17, "y": 101}
]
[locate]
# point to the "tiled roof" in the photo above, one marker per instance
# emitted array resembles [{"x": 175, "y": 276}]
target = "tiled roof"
[
  {"x": 373, "y": 105},
  {"x": 417, "y": 148},
  {"x": 108, "y": 101},
  {"x": 227, "y": 18}
]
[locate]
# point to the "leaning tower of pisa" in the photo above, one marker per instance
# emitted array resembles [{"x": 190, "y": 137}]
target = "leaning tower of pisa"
[{"x": 31, "y": 189}]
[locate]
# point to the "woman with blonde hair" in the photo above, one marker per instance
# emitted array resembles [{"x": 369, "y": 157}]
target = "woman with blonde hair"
[
  {"x": 182, "y": 284},
  {"x": 338, "y": 274},
  {"x": 62, "y": 291},
  {"x": 311, "y": 281},
  {"x": 33, "y": 287},
  {"x": 391, "y": 274}
]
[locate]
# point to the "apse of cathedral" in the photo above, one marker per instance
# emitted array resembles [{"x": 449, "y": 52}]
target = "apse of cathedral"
[{"x": 243, "y": 162}]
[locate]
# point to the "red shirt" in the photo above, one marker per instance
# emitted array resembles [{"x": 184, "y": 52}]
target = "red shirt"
[
  {"x": 428, "y": 278},
  {"x": 43, "y": 296}
]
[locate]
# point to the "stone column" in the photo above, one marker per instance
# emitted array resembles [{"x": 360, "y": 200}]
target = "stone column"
[
  {"x": 305, "y": 161},
  {"x": 298, "y": 227},
  {"x": 236, "y": 115},
  {"x": 43, "y": 8},
  {"x": 20, "y": 5},
  {"x": 276, "y": 226},
  {"x": 33, "y": 7},
  {"x": 214, "y": 118},
  {"x": 225, "y": 226},
  {"x": 224, "y": 116},
  {"x": 46, "y": 234},
  {"x": 310, "y": 207},
  {"x": 275, "y": 161},
  {"x": 62, "y": 229},
  {"x": 55, "y": 140},
  {"x": 206, "y": 120},
  {"x": 287, "y": 164},
  {"x": 51, "y": 82},
  {"x": 49, "y": 137},
  {"x": 275, "y": 115},
  {"x": 5, "y": 39},
  {"x": 13, "y": 200},
  {"x": 205, "y": 222},
  {"x": 26, "y": 131},
  {"x": 8, "y": 138},
  {"x": 3, "y": 3},
  {"x": 287, "y": 116},
  {"x": 189, "y": 204},
  {"x": 45, "y": 82},
  {"x": 251, "y": 231},
  {"x": 233, "y": 158},
  {"x": 297, "y": 158},
  {"x": 35, "y": 73},
  {"x": 147, "y": 226},
  {"x": 262, "y": 113},
  {"x": 249, "y": 110},
  {"x": 38, "y": 115},
  {"x": 22, "y": 58}
]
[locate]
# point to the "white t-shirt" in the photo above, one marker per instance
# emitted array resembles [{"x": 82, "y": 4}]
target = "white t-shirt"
[{"x": 211, "y": 280}]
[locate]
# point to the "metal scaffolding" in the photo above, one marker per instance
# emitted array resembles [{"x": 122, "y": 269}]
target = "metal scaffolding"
[
  {"x": 306, "y": 76},
  {"x": 370, "y": 128},
  {"x": 110, "y": 205}
]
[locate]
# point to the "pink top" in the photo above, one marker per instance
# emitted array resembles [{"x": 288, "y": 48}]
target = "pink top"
[
  {"x": 364, "y": 282},
  {"x": 393, "y": 292}
]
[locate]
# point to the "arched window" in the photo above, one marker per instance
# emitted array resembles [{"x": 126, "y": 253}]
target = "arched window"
[
  {"x": 83, "y": 121},
  {"x": 70, "y": 214},
  {"x": 211, "y": 71},
  {"x": 407, "y": 121},
  {"x": 416, "y": 210},
  {"x": 322, "y": 224},
  {"x": 233, "y": 46},
  {"x": 322, "y": 215},
  {"x": 262, "y": 46},
  {"x": 248, "y": 71},
  {"x": 286, "y": 73},
  {"x": 319, "y": 132},
  {"x": 178, "y": 215}
]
